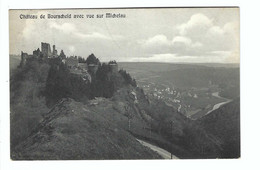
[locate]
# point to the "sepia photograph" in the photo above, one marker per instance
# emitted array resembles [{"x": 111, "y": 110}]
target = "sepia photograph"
[{"x": 124, "y": 83}]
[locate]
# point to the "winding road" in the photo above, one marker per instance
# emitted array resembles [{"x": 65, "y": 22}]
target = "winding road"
[{"x": 165, "y": 154}]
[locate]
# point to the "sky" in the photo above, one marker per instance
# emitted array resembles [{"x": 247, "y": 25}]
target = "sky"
[{"x": 193, "y": 35}]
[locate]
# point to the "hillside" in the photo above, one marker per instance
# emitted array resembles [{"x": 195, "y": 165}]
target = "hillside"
[
  {"x": 108, "y": 128},
  {"x": 224, "y": 123},
  {"x": 52, "y": 108},
  {"x": 39, "y": 84},
  {"x": 72, "y": 130},
  {"x": 56, "y": 114},
  {"x": 14, "y": 61},
  {"x": 27, "y": 104}
]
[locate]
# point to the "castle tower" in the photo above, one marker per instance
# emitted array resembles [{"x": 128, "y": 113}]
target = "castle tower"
[
  {"x": 36, "y": 53},
  {"x": 113, "y": 67},
  {"x": 24, "y": 57},
  {"x": 46, "y": 49},
  {"x": 53, "y": 52}
]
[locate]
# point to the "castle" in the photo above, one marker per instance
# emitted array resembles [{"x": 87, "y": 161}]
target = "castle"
[
  {"x": 72, "y": 62},
  {"x": 44, "y": 53}
]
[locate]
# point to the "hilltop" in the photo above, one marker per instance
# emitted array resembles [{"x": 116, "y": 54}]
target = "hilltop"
[
  {"x": 44, "y": 78},
  {"x": 72, "y": 130}
]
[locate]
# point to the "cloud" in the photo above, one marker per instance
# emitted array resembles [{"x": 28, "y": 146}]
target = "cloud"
[
  {"x": 157, "y": 40},
  {"x": 186, "y": 41},
  {"x": 200, "y": 28},
  {"x": 155, "y": 58},
  {"x": 93, "y": 35},
  {"x": 216, "y": 30},
  {"x": 70, "y": 29},
  {"x": 188, "y": 36},
  {"x": 27, "y": 31},
  {"x": 199, "y": 37},
  {"x": 67, "y": 28},
  {"x": 72, "y": 49},
  {"x": 72, "y": 37},
  {"x": 156, "y": 44},
  {"x": 170, "y": 57},
  {"x": 197, "y": 23},
  {"x": 197, "y": 45},
  {"x": 181, "y": 39}
]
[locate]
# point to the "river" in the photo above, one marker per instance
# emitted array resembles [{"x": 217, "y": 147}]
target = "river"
[{"x": 216, "y": 106}]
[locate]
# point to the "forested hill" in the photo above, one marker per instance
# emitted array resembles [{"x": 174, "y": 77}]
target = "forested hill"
[{"x": 39, "y": 84}]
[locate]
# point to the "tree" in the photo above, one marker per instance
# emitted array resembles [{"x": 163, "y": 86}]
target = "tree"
[
  {"x": 104, "y": 86},
  {"x": 128, "y": 79},
  {"x": 112, "y": 62},
  {"x": 81, "y": 60},
  {"x": 92, "y": 59},
  {"x": 57, "y": 84}
]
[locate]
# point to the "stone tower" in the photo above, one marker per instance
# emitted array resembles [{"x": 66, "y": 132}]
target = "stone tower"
[
  {"x": 54, "y": 52},
  {"x": 46, "y": 49},
  {"x": 113, "y": 67}
]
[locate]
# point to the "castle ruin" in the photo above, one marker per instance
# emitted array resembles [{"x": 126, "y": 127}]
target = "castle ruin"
[
  {"x": 46, "y": 50},
  {"x": 54, "y": 51},
  {"x": 72, "y": 62},
  {"x": 24, "y": 57},
  {"x": 113, "y": 67},
  {"x": 44, "y": 53}
]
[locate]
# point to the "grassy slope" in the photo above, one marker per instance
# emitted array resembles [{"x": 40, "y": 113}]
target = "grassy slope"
[
  {"x": 76, "y": 131},
  {"x": 224, "y": 123}
]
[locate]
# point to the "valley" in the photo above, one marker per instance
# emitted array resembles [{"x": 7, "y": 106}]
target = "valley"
[
  {"x": 192, "y": 89},
  {"x": 142, "y": 111}
]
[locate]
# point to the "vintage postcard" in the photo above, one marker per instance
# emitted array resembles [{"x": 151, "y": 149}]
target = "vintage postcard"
[{"x": 126, "y": 83}]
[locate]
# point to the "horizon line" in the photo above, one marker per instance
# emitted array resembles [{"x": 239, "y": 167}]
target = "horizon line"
[{"x": 162, "y": 62}]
